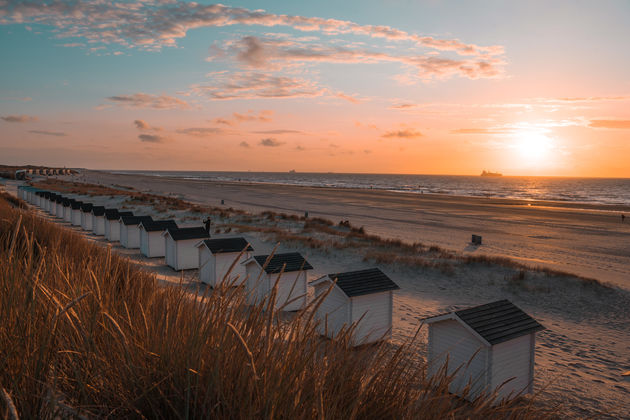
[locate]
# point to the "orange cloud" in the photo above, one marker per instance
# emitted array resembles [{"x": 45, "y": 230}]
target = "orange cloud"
[
  {"x": 270, "y": 142},
  {"x": 403, "y": 134},
  {"x": 614, "y": 124},
  {"x": 201, "y": 131},
  {"x": 151, "y": 138},
  {"x": 141, "y": 125},
  {"x": 480, "y": 131}
]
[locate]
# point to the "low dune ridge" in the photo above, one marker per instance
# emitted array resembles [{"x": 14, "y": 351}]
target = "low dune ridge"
[{"x": 580, "y": 359}]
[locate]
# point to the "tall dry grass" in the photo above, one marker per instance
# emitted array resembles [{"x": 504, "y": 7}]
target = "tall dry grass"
[{"x": 84, "y": 332}]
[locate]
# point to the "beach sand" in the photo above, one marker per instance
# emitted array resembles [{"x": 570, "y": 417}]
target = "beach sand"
[
  {"x": 586, "y": 240},
  {"x": 580, "y": 358}
]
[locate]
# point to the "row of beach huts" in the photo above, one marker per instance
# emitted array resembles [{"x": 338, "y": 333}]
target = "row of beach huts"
[{"x": 488, "y": 348}]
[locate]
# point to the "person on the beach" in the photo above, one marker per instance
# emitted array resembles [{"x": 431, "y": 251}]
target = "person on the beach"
[
  {"x": 207, "y": 224},
  {"x": 623, "y": 217}
]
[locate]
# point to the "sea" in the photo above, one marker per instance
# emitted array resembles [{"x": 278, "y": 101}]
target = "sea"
[{"x": 609, "y": 191}]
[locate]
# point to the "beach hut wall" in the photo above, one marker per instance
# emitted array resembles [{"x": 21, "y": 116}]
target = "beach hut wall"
[
  {"x": 67, "y": 210},
  {"x": 130, "y": 231},
  {"x": 152, "y": 243},
  {"x": 98, "y": 220},
  {"x": 86, "y": 216},
  {"x": 288, "y": 270},
  {"x": 112, "y": 223},
  {"x": 365, "y": 297},
  {"x": 76, "y": 213},
  {"x": 180, "y": 252},
  {"x": 216, "y": 256},
  {"x": 491, "y": 347}
]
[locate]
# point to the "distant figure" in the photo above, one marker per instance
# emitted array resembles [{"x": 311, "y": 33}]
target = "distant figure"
[
  {"x": 306, "y": 215},
  {"x": 623, "y": 217},
  {"x": 207, "y": 224}
]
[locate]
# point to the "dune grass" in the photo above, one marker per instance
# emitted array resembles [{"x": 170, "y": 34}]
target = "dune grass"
[
  {"x": 323, "y": 234},
  {"x": 86, "y": 333}
]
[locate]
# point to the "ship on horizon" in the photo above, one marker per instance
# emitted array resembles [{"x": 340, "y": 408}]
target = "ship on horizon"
[{"x": 488, "y": 173}]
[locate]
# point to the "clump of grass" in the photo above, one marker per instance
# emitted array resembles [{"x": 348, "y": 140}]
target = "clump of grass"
[{"x": 86, "y": 333}]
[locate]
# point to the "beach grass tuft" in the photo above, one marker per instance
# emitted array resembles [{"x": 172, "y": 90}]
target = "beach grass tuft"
[{"x": 85, "y": 333}]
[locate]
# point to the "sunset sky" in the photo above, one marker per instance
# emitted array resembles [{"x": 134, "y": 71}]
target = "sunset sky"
[{"x": 427, "y": 87}]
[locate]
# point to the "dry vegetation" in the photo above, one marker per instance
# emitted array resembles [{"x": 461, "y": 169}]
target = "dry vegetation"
[
  {"x": 321, "y": 234},
  {"x": 84, "y": 332}
]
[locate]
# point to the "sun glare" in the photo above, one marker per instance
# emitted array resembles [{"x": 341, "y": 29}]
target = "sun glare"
[{"x": 533, "y": 147}]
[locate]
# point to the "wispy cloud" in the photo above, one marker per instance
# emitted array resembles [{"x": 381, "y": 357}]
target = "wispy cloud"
[
  {"x": 141, "y": 125},
  {"x": 264, "y": 116},
  {"x": 143, "y": 100},
  {"x": 403, "y": 134},
  {"x": 279, "y": 132},
  {"x": 151, "y": 138},
  {"x": 482, "y": 131},
  {"x": 18, "y": 118},
  {"x": 613, "y": 124},
  {"x": 201, "y": 131},
  {"x": 270, "y": 142},
  {"x": 153, "y": 25},
  {"x": 48, "y": 133},
  {"x": 246, "y": 85},
  {"x": 17, "y": 98},
  {"x": 273, "y": 54}
]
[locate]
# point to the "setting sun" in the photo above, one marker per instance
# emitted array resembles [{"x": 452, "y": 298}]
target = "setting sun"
[{"x": 533, "y": 147}]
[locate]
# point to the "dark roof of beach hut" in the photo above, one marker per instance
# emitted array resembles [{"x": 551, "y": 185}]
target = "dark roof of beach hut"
[
  {"x": 499, "y": 321},
  {"x": 363, "y": 282},
  {"x": 182, "y": 234},
  {"x": 225, "y": 245},
  {"x": 290, "y": 261},
  {"x": 114, "y": 214},
  {"x": 135, "y": 220},
  {"x": 67, "y": 202},
  {"x": 76, "y": 205},
  {"x": 98, "y": 210},
  {"x": 159, "y": 225},
  {"x": 86, "y": 207}
]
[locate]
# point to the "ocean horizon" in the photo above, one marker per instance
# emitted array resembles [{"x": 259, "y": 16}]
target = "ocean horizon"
[{"x": 605, "y": 191}]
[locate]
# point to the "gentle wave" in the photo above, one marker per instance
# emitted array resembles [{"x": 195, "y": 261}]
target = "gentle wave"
[{"x": 611, "y": 191}]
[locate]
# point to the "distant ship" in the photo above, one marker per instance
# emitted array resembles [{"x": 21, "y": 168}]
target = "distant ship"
[
  {"x": 486, "y": 173},
  {"x": 292, "y": 171}
]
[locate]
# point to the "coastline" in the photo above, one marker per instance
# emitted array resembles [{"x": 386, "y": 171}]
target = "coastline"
[{"x": 586, "y": 240}]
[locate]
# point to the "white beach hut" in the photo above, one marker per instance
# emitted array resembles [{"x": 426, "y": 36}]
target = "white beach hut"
[
  {"x": 152, "y": 243},
  {"x": 76, "y": 213},
  {"x": 52, "y": 208},
  {"x": 67, "y": 209},
  {"x": 179, "y": 246},
  {"x": 365, "y": 297},
  {"x": 59, "y": 211},
  {"x": 112, "y": 223},
  {"x": 98, "y": 220},
  {"x": 86, "y": 216},
  {"x": 216, "y": 256},
  {"x": 45, "y": 202},
  {"x": 287, "y": 270},
  {"x": 129, "y": 230},
  {"x": 490, "y": 346}
]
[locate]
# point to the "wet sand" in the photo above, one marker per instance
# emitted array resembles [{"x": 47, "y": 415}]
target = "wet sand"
[{"x": 586, "y": 240}]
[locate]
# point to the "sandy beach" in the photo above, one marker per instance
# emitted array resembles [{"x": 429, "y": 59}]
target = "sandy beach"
[
  {"x": 581, "y": 356},
  {"x": 586, "y": 240}
]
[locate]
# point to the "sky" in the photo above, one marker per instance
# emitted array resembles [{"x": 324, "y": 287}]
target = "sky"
[{"x": 399, "y": 86}]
